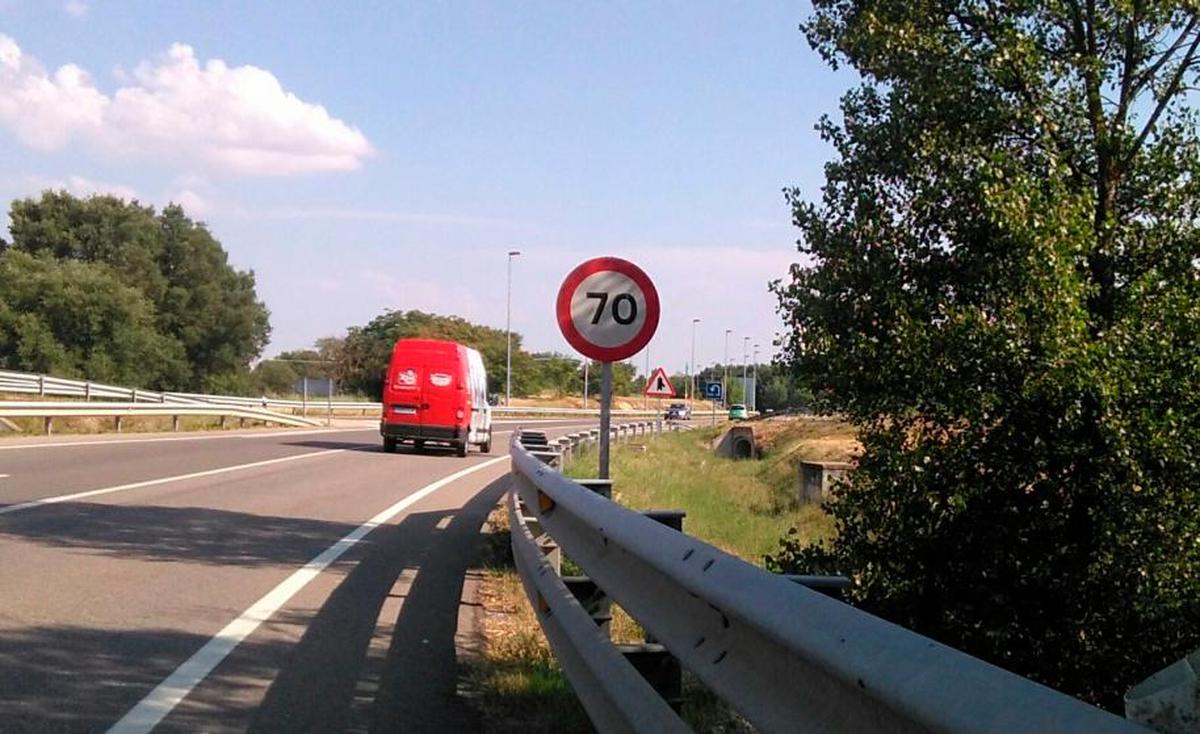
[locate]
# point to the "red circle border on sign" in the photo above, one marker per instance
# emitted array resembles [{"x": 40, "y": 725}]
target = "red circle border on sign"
[{"x": 576, "y": 340}]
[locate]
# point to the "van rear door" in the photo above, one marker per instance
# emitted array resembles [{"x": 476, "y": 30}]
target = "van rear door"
[
  {"x": 443, "y": 390},
  {"x": 406, "y": 390}
]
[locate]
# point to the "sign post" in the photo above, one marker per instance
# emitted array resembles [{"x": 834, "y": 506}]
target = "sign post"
[
  {"x": 607, "y": 309},
  {"x": 713, "y": 391}
]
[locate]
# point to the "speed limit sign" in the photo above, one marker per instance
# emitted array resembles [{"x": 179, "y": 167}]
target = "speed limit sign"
[{"x": 607, "y": 309}]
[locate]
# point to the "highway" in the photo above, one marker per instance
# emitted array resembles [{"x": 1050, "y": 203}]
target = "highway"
[{"x": 272, "y": 581}]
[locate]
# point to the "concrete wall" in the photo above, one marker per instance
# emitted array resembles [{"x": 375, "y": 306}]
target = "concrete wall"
[{"x": 817, "y": 478}]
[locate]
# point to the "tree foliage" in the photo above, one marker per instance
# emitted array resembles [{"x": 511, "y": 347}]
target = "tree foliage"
[
  {"x": 194, "y": 298},
  {"x": 363, "y": 355},
  {"x": 1003, "y": 296},
  {"x": 74, "y": 319}
]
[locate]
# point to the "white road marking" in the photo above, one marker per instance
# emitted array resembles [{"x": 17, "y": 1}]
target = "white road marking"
[
  {"x": 206, "y": 437},
  {"x": 163, "y": 480},
  {"x": 167, "y": 695}
]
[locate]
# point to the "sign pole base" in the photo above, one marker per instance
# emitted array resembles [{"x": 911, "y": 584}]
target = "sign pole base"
[{"x": 606, "y": 380}]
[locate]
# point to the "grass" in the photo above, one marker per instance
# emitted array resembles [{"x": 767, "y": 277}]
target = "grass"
[{"x": 742, "y": 507}]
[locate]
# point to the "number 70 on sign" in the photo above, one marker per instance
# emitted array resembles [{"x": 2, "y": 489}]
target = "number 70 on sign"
[{"x": 607, "y": 309}]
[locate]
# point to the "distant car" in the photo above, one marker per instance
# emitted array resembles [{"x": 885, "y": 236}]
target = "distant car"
[
  {"x": 678, "y": 412},
  {"x": 738, "y": 412}
]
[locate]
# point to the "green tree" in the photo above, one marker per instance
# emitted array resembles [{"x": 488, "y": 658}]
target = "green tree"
[
  {"x": 559, "y": 374},
  {"x": 76, "y": 319},
  {"x": 198, "y": 299},
  {"x": 1003, "y": 296},
  {"x": 363, "y": 355}
]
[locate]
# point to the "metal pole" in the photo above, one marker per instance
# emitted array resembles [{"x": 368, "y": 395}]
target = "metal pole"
[
  {"x": 646, "y": 404},
  {"x": 725, "y": 378},
  {"x": 692, "y": 387},
  {"x": 304, "y": 397},
  {"x": 754, "y": 381},
  {"x": 605, "y": 415},
  {"x": 586, "y": 363},
  {"x": 745, "y": 355},
  {"x": 508, "y": 332},
  {"x": 329, "y": 401}
]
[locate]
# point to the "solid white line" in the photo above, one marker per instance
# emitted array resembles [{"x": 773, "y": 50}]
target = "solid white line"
[
  {"x": 166, "y": 695},
  {"x": 207, "y": 437},
  {"x": 164, "y": 480}
]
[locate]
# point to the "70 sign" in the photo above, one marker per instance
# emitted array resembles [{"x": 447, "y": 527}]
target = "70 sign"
[{"x": 607, "y": 309}]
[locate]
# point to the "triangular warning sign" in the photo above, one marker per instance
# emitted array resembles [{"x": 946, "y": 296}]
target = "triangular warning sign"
[{"x": 659, "y": 385}]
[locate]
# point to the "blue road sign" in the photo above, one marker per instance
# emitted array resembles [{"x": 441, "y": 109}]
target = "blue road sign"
[{"x": 712, "y": 391}]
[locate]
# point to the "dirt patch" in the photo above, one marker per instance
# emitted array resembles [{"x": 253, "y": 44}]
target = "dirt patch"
[{"x": 809, "y": 438}]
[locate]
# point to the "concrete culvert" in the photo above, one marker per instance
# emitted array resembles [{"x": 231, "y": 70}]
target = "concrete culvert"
[{"x": 736, "y": 443}]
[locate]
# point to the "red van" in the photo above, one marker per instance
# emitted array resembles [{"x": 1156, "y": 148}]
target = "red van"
[{"x": 435, "y": 391}]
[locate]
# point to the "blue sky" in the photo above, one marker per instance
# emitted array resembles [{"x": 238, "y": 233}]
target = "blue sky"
[{"x": 365, "y": 156}]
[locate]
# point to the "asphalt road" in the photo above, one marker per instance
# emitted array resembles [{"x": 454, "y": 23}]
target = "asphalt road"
[{"x": 282, "y": 581}]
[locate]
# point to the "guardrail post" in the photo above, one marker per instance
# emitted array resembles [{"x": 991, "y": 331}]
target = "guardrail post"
[
  {"x": 133, "y": 395},
  {"x": 42, "y": 385},
  {"x": 175, "y": 423},
  {"x": 591, "y": 597},
  {"x": 223, "y": 419},
  {"x": 117, "y": 423},
  {"x": 87, "y": 390},
  {"x": 659, "y": 667},
  {"x": 49, "y": 425}
]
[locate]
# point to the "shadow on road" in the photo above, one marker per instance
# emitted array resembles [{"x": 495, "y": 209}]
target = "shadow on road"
[
  {"x": 193, "y": 534},
  {"x": 409, "y": 449},
  {"x": 76, "y": 679},
  {"x": 330, "y": 684},
  {"x": 72, "y": 678}
]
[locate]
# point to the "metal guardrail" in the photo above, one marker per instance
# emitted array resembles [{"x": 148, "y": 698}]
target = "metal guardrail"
[
  {"x": 28, "y": 383},
  {"x": 788, "y": 658},
  {"x": 51, "y": 410}
]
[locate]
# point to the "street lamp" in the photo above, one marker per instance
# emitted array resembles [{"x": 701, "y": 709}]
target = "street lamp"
[
  {"x": 508, "y": 332},
  {"x": 754, "y": 366},
  {"x": 725, "y": 377},
  {"x": 745, "y": 354},
  {"x": 692, "y": 369}
]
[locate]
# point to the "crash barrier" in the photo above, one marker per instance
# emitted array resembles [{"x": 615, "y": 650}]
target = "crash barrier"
[{"x": 787, "y": 657}]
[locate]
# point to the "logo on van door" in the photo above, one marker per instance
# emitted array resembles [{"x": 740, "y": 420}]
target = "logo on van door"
[
  {"x": 440, "y": 379},
  {"x": 406, "y": 378}
]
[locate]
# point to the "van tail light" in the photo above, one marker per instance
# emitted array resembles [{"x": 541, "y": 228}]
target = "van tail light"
[{"x": 459, "y": 414}]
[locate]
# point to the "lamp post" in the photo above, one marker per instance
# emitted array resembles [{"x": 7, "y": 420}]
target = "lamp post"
[
  {"x": 745, "y": 354},
  {"x": 646, "y": 401},
  {"x": 725, "y": 364},
  {"x": 692, "y": 368},
  {"x": 754, "y": 380},
  {"x": 508, "y": 332}
]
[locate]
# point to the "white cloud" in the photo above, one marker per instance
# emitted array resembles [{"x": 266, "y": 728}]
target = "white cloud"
[
  {"x": 195, "y": 204},
  {"x": 76, "y": 8},
  {"x": 80, "y": 186},
  {"x": 177, "y": 111}
]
